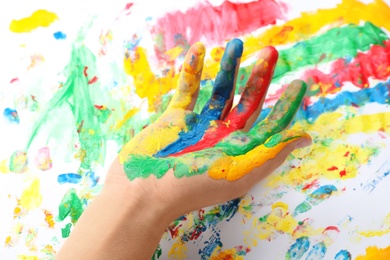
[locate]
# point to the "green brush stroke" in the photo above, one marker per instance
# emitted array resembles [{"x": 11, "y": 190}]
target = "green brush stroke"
[
  {"x": 70, "y": 206},
  {"x": 336, "y": 43}
]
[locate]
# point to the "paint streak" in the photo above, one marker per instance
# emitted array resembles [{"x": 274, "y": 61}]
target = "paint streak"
[
  {"x": 310, "y": 23},
  {"x": 375, "y": 253},
  {"x": 216, "y": 23},
  {"x": 43, "y": 160},
  {"x": 18, "y": 162},
  {"x": 343, "y": 255},
  {"x": 69, "y": 178},
  {"x": 59, "y": 35},
  {"x": 298, "y": 249},
  {"x": 40, "y": 18},
  {"x": 373, "y": 64},
  {"x": 31, "y": 197},
  {"x": 76, "y": 91},
  {"x": 70, "y": 206},
  {"x": 11, "y": 115},
  {"x": 385, "y": 229}
]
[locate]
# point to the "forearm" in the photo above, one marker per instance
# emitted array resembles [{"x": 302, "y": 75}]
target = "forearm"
[{"x": 115, "y": 226}]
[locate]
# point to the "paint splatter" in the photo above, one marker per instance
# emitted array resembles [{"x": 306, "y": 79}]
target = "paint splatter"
[
  {"x": 40, "y": 18},
  {"x": 11, "y": 115},
  {"x": 59, "y": 35},
  {"x": 31, "y": 197},
  {"x": 18, "y": 162},
  {"x": 43, "y": 160}
]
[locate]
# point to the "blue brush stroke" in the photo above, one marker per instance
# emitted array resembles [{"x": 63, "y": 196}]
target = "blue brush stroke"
[
  {"x": 343, "y": 255},
  {"x": 69, "y": 178},
  {"x": 11, "y": 115},
  {"x": 211, "y": 245},
  {"x": 223, "y": 87},
  {"x": 298, "y": 249},
  {"x": 378, "y": 94},
  {"x": 59, "y": 35}
]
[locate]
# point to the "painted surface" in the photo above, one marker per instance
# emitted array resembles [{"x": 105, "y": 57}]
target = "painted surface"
[{"x": 79, "y": 81}]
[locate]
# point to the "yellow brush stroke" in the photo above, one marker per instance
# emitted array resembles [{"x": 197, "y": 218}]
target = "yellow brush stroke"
[
  {"x": 147, "y": 84},
  {"x": 4, "y": 167},
  {"x": 331, "y": 137},
  {"x": 31, "y": 197},
  {"x": 374, "y": 253},
  {"x": 385, "y": 229},
  {"x": 127, "y": 116},
  {"x": 40, "y": 18}
]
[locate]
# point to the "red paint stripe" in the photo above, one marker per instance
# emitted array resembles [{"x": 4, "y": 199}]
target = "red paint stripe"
[{"x": 217, "y": 23}]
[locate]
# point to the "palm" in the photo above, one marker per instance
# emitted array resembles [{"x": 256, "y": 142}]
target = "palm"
[{"x": 180, "y": 137}]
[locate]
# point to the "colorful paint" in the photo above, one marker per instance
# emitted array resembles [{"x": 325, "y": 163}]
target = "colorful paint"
[{"x": 79, "y": 84}]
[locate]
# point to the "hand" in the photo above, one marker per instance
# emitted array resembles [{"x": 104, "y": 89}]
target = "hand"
[
  {"x": 186, "y": 161},
  {"x": 225, "y": 161}
]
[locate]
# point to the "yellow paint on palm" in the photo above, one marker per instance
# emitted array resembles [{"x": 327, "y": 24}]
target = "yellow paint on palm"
[
  {"x": 374, "y": 253},
  {"x": 31, "y": 197},
  {"x": 344, "y": 160},
  {"x": 158, "y": 135},
  {"x": 40, "y": 18},
  {"x": 234, "y": 167}
]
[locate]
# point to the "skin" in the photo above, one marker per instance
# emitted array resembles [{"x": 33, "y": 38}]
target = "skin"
[{"x": 144, "y": 193}]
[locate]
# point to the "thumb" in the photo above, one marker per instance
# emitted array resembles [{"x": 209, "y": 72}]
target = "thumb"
[{"x": 272, "y": 153}]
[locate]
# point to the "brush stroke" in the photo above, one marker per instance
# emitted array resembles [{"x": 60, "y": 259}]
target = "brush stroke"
[
  {"x": 216, "y": 23},
  {"x": 40, "y": 18}
]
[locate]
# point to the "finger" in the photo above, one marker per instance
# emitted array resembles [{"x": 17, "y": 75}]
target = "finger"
[
  {"x": 248, "y": 109},
  {"x": 277, "y": 120},
  {"x": 222, "y": 96},
  {"x": 189, "y": 80},
  {"x": 285, "y": 108},
  {"x": 235, "y": 167}
]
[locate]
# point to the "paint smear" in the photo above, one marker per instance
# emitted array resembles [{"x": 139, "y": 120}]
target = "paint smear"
[
  {"x": 343, "y": 255},
  {"x": 40, "y": 18},
  {"x": 385, "y": 229},
  {"x": 59, "y": 35},
  {"x": 317, "y": 252},
  {"x": 43, "y": 160},
  {"x": 18, "y": 162},
  {"x": 11, "y": 115},
  {"x": 31, "y": 197},
  {"x": 214, "y": 24},
  {"x": 374, "y": 253},
  {"x": 49, "y": 219},
  {"x": 69, "y": 178},
  {"x": 70, "y": 206},
  {"x": 298, "y": 249}
]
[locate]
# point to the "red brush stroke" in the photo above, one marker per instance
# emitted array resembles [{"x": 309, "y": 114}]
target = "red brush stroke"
[
  {"x": 217, "y": 23},
  {"x": 375, "y": 64}
]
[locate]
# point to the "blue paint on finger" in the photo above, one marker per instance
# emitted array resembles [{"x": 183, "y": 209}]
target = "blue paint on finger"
[{"x": 223, "y": 86}]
